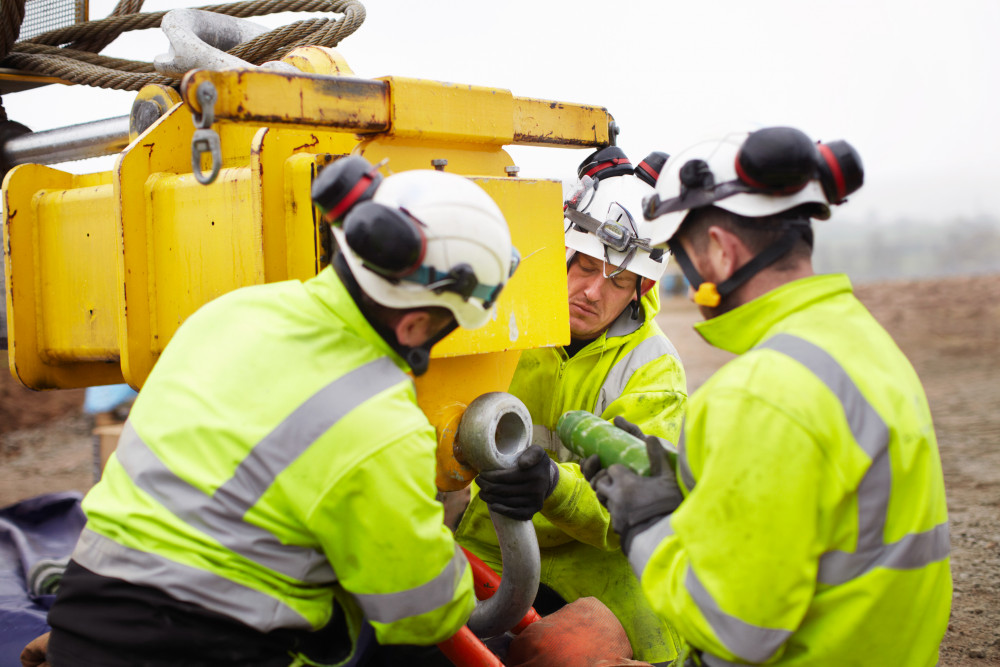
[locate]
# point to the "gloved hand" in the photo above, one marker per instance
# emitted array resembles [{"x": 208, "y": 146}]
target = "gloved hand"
[
  {"x": 520, "y": 492},
  {"x": 635, "y": 502}
]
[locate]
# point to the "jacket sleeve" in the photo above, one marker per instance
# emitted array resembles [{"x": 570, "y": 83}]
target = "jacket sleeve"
[
  {"x": 734, "y": 568},
  {"x": 384, "y": 533},
  {"x": 654, "y": 399}
]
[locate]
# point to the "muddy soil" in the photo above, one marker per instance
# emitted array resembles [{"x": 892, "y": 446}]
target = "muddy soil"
[{"x": 949, "y": 328}]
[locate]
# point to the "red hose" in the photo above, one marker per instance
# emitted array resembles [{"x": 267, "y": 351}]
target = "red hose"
[{"x": 464, "y": 649}]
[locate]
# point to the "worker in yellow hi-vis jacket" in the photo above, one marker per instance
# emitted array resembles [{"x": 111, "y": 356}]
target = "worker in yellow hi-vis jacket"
[
  {"x": 275, "y": 476},
  {"x": 618, "y": 363},
  {"x": 813, "y": 528}
]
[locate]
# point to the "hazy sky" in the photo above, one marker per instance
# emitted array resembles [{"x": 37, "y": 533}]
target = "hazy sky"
[{"x": 912, "y": 85}]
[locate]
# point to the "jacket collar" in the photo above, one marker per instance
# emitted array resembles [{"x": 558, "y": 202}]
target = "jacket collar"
[
  {"x": 745, "y": 326},
  {"x": 329, "y": 291}
]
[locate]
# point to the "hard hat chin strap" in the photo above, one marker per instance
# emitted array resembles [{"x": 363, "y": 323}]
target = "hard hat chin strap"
[{"x": 711, "y": 295}]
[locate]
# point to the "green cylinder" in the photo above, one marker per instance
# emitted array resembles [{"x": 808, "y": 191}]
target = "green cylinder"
[{"x": 586, "y": 434}]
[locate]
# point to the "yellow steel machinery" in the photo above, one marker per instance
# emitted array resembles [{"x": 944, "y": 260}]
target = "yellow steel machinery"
[{"x": 214, "y": 195}]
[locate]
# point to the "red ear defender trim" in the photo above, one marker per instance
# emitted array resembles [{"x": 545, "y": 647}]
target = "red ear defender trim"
[
  {"x": 350, "y": 198},
  {"x": 601, "y": 166},
  {"x": 746, "y": 178},
  {"x": 835, "y": 171}
]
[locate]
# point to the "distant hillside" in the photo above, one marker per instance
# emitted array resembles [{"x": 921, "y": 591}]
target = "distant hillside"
[{"x": 870, "y": 252}]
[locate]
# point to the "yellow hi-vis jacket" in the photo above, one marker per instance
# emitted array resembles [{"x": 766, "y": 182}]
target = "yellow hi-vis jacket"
[
  {"x": 631, "y": 370},
  {"x": 275, "y": 460},
  {"x": 814, "y": 529}
]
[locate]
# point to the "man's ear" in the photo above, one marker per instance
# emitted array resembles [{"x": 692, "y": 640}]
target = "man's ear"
[
  {"x": 414, "y": 328},
  {"x": 725, "y": 253}
]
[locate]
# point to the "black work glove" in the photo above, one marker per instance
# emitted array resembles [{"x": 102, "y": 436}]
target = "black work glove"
[
  {"x": 520, "y": 492},
  {"x": 635, "y": 502}
]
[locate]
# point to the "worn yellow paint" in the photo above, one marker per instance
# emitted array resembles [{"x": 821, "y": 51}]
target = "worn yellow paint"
[
  {"x": 532, "y": 310},
  {"x": 290, "y": 232},
  {"x": 406, "y": 154},
  {"x": 549, "y": 123},
  {"x": 318, "y": 60},
  {"x": 404, "y": 108},
  {"x": 61, "y": 282},
  {"x": 309, "y": 101},
  {"x": 203, "y": 241},
  {"x": 162, "y": 97},
  {"x": 459, "y": 113},
  {"x": 160, "y": 244}
]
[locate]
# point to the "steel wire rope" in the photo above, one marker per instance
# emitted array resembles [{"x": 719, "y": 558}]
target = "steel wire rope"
[{"x": 79, "y": 63}]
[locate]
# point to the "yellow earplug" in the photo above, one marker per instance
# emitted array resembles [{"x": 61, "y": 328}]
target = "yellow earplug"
[{"x": 707, "y": 295}]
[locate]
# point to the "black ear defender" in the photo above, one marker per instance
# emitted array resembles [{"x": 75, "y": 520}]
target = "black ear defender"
[
  {"x": 840, "y": 170},
  {"x": 649, "y": 169},
  {"x": 605, "y": 162},
  {"x": 388, "y": 240},
  {"x": 777, "y": 160},
  {"x": 782, "y": 160},
  {"x": 342, "y": 184}
]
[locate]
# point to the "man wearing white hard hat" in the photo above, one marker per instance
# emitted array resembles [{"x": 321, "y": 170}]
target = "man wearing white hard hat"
[
  {"x": 618, "y": 363},
  {"x": 805, "y": 522},
  {"x": 274, "y": 484}
]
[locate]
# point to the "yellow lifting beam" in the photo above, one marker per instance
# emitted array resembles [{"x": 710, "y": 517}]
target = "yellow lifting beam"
[{"x": 102, "y": 268}]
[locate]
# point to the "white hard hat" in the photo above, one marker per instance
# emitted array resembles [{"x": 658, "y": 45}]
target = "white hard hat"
[
  {"x": 754, "y": 175},
  {"x": 604, "y": 213},
  {"x": 423, "y": 238},
  {"x": 615, "y": 203}
]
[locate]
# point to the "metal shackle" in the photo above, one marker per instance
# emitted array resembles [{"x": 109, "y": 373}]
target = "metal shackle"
[{"x": 494, "y": 430}]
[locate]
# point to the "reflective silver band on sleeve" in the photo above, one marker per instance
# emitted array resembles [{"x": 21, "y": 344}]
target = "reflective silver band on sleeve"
[
  {"x": 618, "y": 377},
  {"x": 747, "y": 642},
  {"x": 221, "y": 515},
  {"x": 871, "y": 433},
  {"x": 710, "y": 660},
  {"x": 645, "y": 543},
  {"x": 912, "y": 552},
  {"x": 682, "y": 462},
  {"x": 439, "y": 591},
  {"x": 259, "y": 610}
]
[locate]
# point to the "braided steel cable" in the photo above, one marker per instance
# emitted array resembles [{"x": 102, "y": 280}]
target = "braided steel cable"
[{"x": 78, "y": 63}]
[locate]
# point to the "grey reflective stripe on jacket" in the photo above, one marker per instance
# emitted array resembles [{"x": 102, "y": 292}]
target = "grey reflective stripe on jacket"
[
  {"x": 221, "y": 514},
  {"x": 439, "y": 591},
  {"x": 682, "y": 462},
  {"x": 749, "y": 642},
  {"x": 617, "y": 378},
  {"x": 645, "y": 543},
  {"x": 264, "y": 612},
  {"x": 912, "y": 551}
]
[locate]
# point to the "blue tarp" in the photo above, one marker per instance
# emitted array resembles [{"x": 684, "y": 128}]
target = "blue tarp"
[
  {"x": 107, "y": 398},
  {"x": 46, "y": 526}
]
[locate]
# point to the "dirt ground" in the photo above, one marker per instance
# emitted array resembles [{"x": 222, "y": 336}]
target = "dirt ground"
[{"x": 949, "y": 328}]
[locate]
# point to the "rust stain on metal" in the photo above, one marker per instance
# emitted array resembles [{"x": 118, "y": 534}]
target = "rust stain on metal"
[{"x": 314, "y": 142}]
